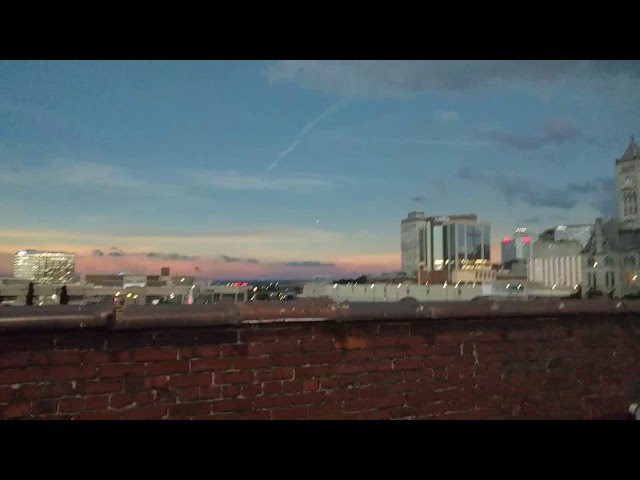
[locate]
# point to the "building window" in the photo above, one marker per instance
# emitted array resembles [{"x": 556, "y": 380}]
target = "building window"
[
  {"x": 613, "y": 279},
  {"x": 606, "y": 279}
]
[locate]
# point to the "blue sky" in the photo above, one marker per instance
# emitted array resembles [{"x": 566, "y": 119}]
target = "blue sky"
[{"x": 298, "y": 167}]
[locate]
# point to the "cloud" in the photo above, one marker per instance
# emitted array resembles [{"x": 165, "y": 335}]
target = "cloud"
[
  {"x": 168, "y": 256},
  {"x": 553, "y": 132},
  {"x": 308, "y": 127},
  {"x": 598, "y": 193},
  {"x": 292, "y": 183},
  {"x": 406, "y": 77},
  {"x": 97, "y": 253},
  {"x": 446, "y": 115},
  {"x": 228, "y": 259},
  {"x": 309, "y": 264},
  {"x": 534, "y": 220}
]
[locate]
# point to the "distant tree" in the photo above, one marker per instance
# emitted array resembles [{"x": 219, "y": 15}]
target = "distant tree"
[
  {"x": 30, "y": 294},
  {"x": 64, "y": 297}
]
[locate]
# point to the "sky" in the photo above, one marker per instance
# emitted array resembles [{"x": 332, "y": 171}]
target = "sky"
[{"x": 288, "y": 169}]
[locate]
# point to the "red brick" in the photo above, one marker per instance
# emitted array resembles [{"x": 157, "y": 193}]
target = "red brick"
[
  {"x": 121, "y": 400},
  {"x": 532, "y": 334},
  {"x": 404, "y": 412},
  {"x": 434, "y": 409},
  {"x": 314, "y": 371},
  {"x": 348, "y": 369},
  {"x": 233, "y": 377},
  {"x": 453, "y": 337},
  {"x": 188, "y": 394},
  {"x": 468, "y": 415},
  {"x": 65, "y": 357},
  {"x": 292, "y": 413},
  {"x": 405, "y": 387},
  {"x": 55, "y": 417},
  {"x": 420, "y": 351},
  {"x": 120, "y": 370},
  {"x": 372, "y": 391},
  {"x": 412, "y": 340},
  {"x": 251, "y": 363},
  {"x": 359, "y": 355},
  {"x": 461, "y": 405},
  {"x": 559, "y": 333},
  {"x": 446, "y": 349},
  {"x": 231, "y": 390},
  {"x": 311, "y": 385},
  {"x": 324, "y": 358},
  {"x": 343, "y": 416},
  {"x": 71, "y": 405},
  {"x": 51, "y": 390},
  {"x": 72, "y": 372},
  {"x": 324, "y": 409},
  {"x": 382, "y": 342},
  {"x": 98, "y": 416},
  {"x": 155, "y": 412},
  {"x": 15, "y": 410},
  {"x": 448, "y": 394},
  {"x": 420, "y": 398},
  {"x": 191, "y": 380},
  {"x": 207, "y": 351},
  {"x": 22, "y": 375},
  {"x": 485, "y": 337},
  {"x": 273, "y": 401},
  {"x": 309, "y": 398},
  {"x": 168, "y": 367},
  {"x": 98, "y": 402},
  {"x": 389, "y": 353},
  {"x": 11, "y": 360},
  {"x": 45, "y": 406},
  {"x": 232, "y": 405},
  {"x": 321, "y": 345},
  {"x": 94, "y": 357},
  {"x": 271, "y": 388},
  {"x": 161, "y": 381},
  {"x": 258, "y": 336},
  {"x": 261, "y": 415},
  {"x": 290, "y": 360},
  {"x": 408, "y": 364},
  {"x": 328, "y": 383},
  {"x": 292, "y": 333},
  {"x": 438, "y": 362},
  {"x": 211, "y": 364},
  {"x": 379, "y": 366},
  {"x": 292, "y": 386},
  {"x": 280, "y": 347},
  {"x": 251, "y": 390},
  {"x": 209, "y": 393},
  {"x": 350, "y": 343},
  {"x": 120, "y": 356},
  {"x": 7, "y": 394},
  {"x": 278, "y": 373},
  {"x": 372, "y": 403},
  {"x": 375, "y": 415},
  {"x": 185, "y": 410},
  {"x": 155, "y": 354}
]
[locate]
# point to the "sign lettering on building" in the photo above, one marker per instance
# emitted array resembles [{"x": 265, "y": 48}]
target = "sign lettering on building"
[{"x": 442, "y": 219}]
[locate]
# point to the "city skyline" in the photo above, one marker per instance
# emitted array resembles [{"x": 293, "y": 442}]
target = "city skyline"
[{"x": 290, "y": 169}]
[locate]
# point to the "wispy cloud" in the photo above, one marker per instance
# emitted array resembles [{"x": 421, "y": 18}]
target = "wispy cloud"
[
  {"x": 408, "y": 77},
  {"x": 446, "y": 115},
  {"x": 292, "y": 183},
  {"x": 329, "y": 111},
  {"x": 228, "y": 259},
  {"x": 555, "y": 131},
  {"x": 118, "y": 252},
  {"x": 599, "y": 193},
  {"x": 308, "y": 263}
]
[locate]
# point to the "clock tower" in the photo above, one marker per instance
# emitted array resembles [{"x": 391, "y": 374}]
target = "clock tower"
[{"x": 627, "y": 180}]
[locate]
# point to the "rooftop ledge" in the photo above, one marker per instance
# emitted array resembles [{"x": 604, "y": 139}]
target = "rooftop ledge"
[{"x": 106, "y": 316}]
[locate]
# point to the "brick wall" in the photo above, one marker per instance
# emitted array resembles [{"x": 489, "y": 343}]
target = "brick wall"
[{"x": 491, "y": 368}]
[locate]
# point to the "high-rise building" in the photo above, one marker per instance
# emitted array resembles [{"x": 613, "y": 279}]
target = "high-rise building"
[
  {"x": 517, "y": 247},
  {"x": 412, "y": 242},
  {"x": 627, "y": 179},
  {"x": 44, "y": 267},
  {"x": 455, "y": 243}
]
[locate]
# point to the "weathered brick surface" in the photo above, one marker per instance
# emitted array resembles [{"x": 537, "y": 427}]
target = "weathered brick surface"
[{"x": 531, "y": 368}]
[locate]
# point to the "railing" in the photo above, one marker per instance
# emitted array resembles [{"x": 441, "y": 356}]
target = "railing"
[{"x": 106, "y": 315}]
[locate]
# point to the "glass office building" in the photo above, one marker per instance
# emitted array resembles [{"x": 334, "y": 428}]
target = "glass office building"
[{"x": 44, "y": 267}]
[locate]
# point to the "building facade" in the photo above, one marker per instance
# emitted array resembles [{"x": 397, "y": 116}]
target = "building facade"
[
  {"x": 627, "y": 180},
  {"x": 44, "y": 267},
  {"x": 581, "y": 233},
  {"x": 556, "y": 264},
  {"x": 455, "y": 242},
  {"x": 516, "y": 247},
  {"x": 411, "y": 242}
]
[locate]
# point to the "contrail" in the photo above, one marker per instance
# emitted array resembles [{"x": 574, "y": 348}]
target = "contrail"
[{"x": 330, "y": 110}]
